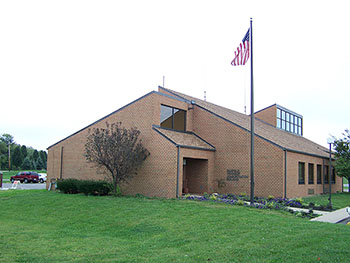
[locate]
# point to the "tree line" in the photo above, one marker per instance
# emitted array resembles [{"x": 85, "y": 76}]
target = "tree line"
[{"x": 14, "y": 156}]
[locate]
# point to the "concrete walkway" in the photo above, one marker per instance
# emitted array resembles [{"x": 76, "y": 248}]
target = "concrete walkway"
[{"x": 340, "y": 216}]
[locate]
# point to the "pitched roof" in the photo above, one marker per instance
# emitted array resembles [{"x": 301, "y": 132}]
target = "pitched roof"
[
  {"x": 283, "y": 139},
  {"x": 184, "y": 139}
]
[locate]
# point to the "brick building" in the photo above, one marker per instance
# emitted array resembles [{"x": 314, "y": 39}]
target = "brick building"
[{"x": 196, "y": 147}]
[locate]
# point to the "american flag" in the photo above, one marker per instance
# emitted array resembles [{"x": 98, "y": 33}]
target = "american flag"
[{"x": 242, "y": 53}]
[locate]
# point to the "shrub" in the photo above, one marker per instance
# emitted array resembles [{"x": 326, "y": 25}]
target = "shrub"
[
  {"x": 68, "y": 186},
  {"x": 91, "y": 187},
  {"x": 74, "y": 186}
]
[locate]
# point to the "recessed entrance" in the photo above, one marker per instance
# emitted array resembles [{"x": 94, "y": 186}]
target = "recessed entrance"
[{"x": 195, "y": 176}]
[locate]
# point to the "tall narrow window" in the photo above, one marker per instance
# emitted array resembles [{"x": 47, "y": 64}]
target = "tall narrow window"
[
  {"x": 326, "y": 174},
  {"x": 311, "y": 173},
  {"x": 333, "y": 175},
  {"x": 301, "y": 173},
  {"x": 172, "y": 118},
  {"x": 319, "y": 174}
]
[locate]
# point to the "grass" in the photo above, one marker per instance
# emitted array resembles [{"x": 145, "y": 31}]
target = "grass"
[
  {"x": 340, "y": 200},
  {"x": 7, "y": 174},
  {"x": 41, "y": 226}
]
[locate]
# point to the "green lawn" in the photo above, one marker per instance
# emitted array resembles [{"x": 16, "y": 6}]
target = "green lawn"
[
  {"x": 41, "y": 226},
  {"x": 338, "y": 200}
]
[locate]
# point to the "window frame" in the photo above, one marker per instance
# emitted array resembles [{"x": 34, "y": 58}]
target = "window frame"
[
  {"x": 319, "y": 173},
  {"x": 289, "y": 121},
  {"x": 311, "y": 173},
  {"x": 173, "y": 117},
  {"x": 301, "y": 173},
  {"x": 326, "y": 174}
]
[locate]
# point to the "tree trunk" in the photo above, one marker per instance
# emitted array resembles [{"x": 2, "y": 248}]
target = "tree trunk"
[{"x": 115, "y": 185}]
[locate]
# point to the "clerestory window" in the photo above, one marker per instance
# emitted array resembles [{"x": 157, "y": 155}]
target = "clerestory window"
[{"x": 172, "y": 118}]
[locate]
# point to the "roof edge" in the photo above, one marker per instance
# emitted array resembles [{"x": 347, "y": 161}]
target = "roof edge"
[
  {"x": 309, "y": 154},
  {"x": 173, "y": 93},
  {"x": 154, "y": 127},
  {"x": 235, "y": 124},
  {"x": 144, "y": 96}
]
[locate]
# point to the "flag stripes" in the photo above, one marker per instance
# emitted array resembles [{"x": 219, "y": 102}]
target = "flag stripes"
[{"x": 242, "y": 52}]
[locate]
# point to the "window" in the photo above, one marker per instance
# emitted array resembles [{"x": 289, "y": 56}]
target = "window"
[
  {"x": 311, "y": 173},
  {"x": 319, "y": 174},
  {"x": 172, "y": 118},
  {"x": 333, "y": 176},
  {"x": 326, "y": 175},
  {"x": 289, "y": 121},
  {"x": 301, "y": 173}
]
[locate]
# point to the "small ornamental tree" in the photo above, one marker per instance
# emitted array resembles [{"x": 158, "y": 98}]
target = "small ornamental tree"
[
  {"x": 116, "y": 150},
  {"x": 342, "y": 155}
]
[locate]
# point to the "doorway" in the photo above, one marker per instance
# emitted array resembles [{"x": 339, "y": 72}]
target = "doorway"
[{"x": 195, "y": 176}]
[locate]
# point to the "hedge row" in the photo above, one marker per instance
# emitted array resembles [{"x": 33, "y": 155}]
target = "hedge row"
[{"x": 87, "y": 187}]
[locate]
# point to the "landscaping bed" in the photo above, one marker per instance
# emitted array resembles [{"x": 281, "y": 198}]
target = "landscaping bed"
[{"x": 265, "y": 203}]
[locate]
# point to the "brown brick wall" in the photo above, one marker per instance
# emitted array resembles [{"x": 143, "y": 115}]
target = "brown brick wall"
[
  {"x": 157, "y": 176},
  {"x": 233, "y": 153},
  {"x": 294, "y": 189},
  {"x": 268, "y": 115}
]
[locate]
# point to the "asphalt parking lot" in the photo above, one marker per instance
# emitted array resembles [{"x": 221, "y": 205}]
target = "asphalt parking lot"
[{"x": 23, "y": 186}]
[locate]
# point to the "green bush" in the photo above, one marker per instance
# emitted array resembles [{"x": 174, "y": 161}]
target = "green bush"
[
  {"x": 68, "y": 186},
  {"x": 90, "y": 187},
  {"x": 75, "y": 186}
]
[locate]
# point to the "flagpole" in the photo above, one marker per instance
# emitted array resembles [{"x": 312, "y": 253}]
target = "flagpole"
[{"x": 251, "y": 117}]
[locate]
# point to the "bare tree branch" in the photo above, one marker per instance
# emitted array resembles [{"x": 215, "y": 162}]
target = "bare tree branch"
[{"x": 117, "y": 150}]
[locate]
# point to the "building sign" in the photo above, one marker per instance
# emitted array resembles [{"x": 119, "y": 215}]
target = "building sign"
[{"x": 234, "y": 175}]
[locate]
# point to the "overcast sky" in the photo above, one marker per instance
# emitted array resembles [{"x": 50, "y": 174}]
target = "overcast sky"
[{"x": 65, "y": 64}]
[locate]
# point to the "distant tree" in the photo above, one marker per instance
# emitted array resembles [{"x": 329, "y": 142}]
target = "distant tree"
[
  {"x": 24, "y": 151},
  {"x": 8, "y": 140},
  {"x": 3, "y": 155},
  {"x": 17, "y": 158},
  {"x": 43, "y": 156},
  {"x": 27, "y": 164},
  {"x": 40, "y": 164},
  {"x": 116, "y": 150},
  {"x": 342, "y": 156},
  {"x": 35, "y": 155}
]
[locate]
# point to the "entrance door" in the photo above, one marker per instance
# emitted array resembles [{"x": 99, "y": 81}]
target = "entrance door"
[{"x": 195, "y": 176}]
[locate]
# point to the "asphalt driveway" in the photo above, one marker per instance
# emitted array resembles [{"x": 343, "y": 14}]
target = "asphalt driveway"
[{"x": 29, "y": 186}]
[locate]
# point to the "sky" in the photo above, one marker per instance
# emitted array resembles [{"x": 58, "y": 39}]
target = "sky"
[{"x": 66, "y": 64}]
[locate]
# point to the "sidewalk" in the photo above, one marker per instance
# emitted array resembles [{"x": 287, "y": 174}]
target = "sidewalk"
[{"x": 340, "y": 216}]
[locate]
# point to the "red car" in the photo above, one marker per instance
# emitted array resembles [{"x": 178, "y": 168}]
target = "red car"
[{"x": 25, "y": 177}]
